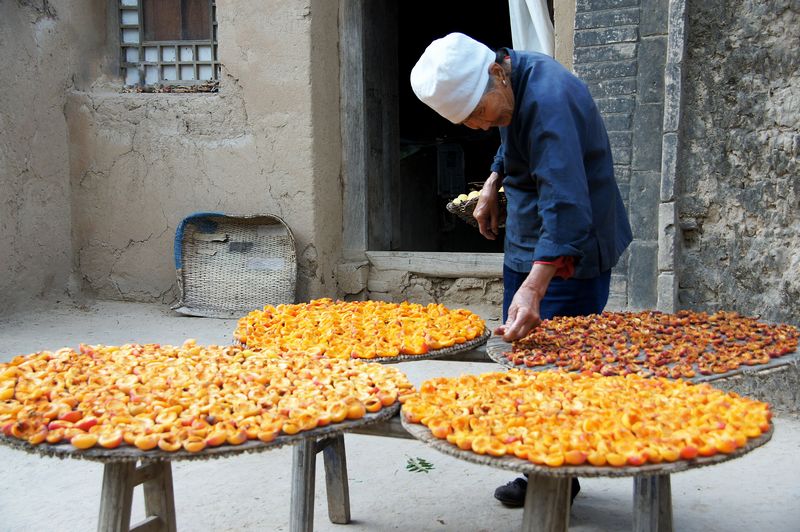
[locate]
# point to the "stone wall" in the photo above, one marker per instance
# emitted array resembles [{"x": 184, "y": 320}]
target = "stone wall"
[
  {"x": 738, "y": 184},
  {"x": 44, "y": 53},
  {"x": 268, "y": 142}
]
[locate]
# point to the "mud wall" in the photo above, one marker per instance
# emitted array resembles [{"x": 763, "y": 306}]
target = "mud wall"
[
  {"x": 44, "y": 53},
  {"x": 268, "y": 142},
  {"x": 738, "y": 181}
]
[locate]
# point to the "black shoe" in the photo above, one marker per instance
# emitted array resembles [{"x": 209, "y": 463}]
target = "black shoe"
[{"x": 513, "y": 493}]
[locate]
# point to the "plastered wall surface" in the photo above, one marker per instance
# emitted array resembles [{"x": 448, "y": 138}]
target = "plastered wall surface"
[
  {"x": 43, "y": 54},
  {"x": 739, "y": 187},
  {"x": 268, "y": 142}
]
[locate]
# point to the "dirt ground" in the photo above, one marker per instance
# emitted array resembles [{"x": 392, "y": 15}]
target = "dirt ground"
[{"x": 759, "y": 491}]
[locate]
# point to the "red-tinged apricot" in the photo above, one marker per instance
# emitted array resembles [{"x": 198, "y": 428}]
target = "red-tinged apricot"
[
  {"x": 635, "y": 459},
  {"x": 237, "y": 437},
  {"x": 145, "y": 442},
  {"x": 58, "y": 424},
  {"x": 194, "y": 444},
  {"x": 110, "y": 440},
  {"x": 267, "y": 436},
  {"x": 169, "y": 444},
  {"x": 706, "y": 450},
  {"x": 83, "y": 441},
  {"x": 216, "y": 438},
  {"x": 323, "y": 418},
  {"x": 38, "y": 437},
  {"x": 86, "y": 423},
  {"x": 21, "y": 430},
  {"x": 688, "y": 452},
  {"x": 71, "y": 416},
  {"x": 388, "y": 397},
  {"x": 129, "y": 437},
  {"x": 615, "y": 459},
  {"x": 575, "y": 457},
  {"x": 725, "y": 445},
  {"x": 55, "y": 436}
]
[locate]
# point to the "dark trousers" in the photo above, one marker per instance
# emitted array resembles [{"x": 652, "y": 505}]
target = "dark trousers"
[{"x": 564, "y": 297}]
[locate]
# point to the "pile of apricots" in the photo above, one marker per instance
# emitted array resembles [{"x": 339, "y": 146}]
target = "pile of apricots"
[
  {"x": 357, "y": 329},
  {"x": 680, "y": 345},
  {"x": 189, "y": 397},
  {"x": 568, "y": 419}
]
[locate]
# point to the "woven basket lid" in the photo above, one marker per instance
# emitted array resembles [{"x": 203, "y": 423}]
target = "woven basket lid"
[{"x": 228, "y": 265}]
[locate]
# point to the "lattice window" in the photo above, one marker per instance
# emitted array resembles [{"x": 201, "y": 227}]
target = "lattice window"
[{"x": 168, "y": 42}]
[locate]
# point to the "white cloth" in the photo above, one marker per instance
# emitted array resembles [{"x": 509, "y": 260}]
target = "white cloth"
[
  {"x": 531, "y": 27},
  {"x": 451, "y": 75}
]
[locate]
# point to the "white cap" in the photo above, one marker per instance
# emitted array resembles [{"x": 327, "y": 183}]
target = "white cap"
[{"x": 452, "y": 74}]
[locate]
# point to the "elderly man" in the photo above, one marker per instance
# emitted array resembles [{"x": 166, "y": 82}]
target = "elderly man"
[{"x": 566, "y": 225}]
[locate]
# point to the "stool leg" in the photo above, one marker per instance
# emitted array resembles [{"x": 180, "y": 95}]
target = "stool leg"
[
  {"x": 546, "y": 504},
  {"x": 159, "y": 500},
  {"x": 116, "y": 497},
  {"x": 652, "y": 504},
  {"x": 336, "y": 481},
  {"x": 304, "y": 463}
]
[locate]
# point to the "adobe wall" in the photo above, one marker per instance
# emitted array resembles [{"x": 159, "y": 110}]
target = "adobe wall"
[
  {"x": 141, "y": 162},
  {"x": 738, "y": 180},
  {"x": 44, "y": 53}
]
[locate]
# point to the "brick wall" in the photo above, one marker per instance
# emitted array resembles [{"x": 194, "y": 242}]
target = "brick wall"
[{"x": 620, "y": 50}]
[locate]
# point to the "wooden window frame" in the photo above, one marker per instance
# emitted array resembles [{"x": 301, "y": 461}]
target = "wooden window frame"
[{"x": 141, "y": 64}]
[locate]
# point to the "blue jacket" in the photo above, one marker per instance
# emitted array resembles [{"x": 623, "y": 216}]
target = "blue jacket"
[{"x": 559, "y": 181}]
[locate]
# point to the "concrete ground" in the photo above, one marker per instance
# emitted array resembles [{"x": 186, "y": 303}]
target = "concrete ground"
[{"x": 759, "y": 491}]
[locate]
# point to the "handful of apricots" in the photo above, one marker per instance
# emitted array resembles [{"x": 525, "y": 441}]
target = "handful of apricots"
[
  {"x": 555, "y": 418},
  {"x": 188, "y": 397},
  {"x": 357, "y": 329}
]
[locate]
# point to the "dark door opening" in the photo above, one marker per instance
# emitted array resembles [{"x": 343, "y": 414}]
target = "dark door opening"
[{"x": 439, "y": 160}]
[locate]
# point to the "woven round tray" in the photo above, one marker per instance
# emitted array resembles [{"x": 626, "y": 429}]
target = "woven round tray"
[
  {"x": 131, "y": 454},
  {"x": 433, "y": 353},
  {"x": 512, "y": 463},
  {"x": 465, "y": 209},
  {"x": 496, "y": 351}
]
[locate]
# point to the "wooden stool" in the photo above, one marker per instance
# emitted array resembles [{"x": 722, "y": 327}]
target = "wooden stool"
[
  {"x": 119, "y": 479},
  {"x": 303, "y": 478}
]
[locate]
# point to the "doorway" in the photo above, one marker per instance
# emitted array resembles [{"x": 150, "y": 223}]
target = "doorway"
[{"x": 439, "y": 160}]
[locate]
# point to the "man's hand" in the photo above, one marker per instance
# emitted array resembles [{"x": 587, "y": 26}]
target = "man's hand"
[
  {"x": 487, "y": 211},
  {"x": 523, "y": 314}
]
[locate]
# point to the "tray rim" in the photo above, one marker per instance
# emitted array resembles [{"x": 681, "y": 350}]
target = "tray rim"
[
  {"x": 432, "y": 354},
  {"x": 127, "y": 453},
  {"x": 512, "y": 463}
]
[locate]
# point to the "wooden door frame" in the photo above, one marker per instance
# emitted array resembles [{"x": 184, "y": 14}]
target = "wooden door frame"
[{"x": 369, "y": 125}]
